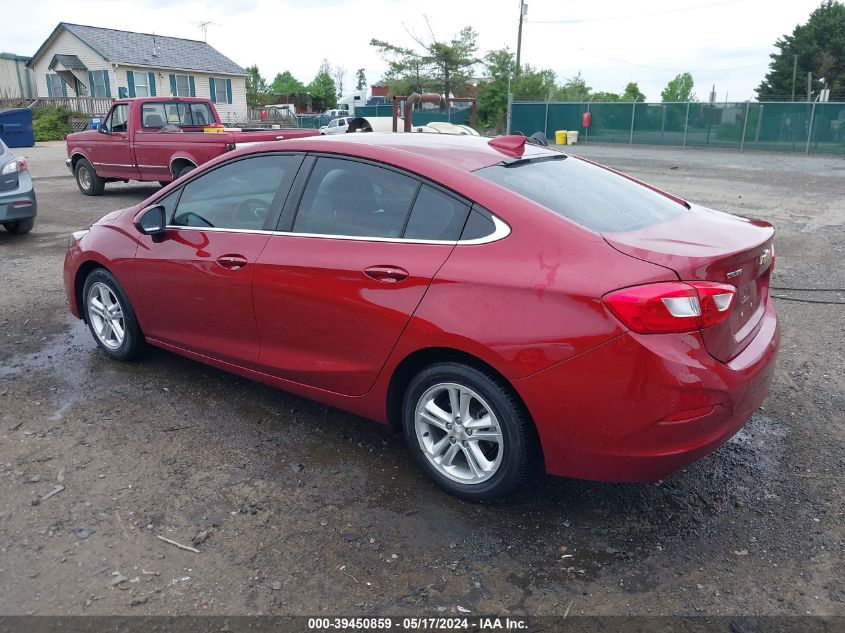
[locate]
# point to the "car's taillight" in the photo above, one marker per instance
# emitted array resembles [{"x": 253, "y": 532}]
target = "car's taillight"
[
  {"x": 16, "y": 166},
  {"x": 673, "y": 306}
]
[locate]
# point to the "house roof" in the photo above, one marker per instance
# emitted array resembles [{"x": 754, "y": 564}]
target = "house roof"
[
  {"x": 12, "y": 56},
  {"x": 145, "y": 49}
]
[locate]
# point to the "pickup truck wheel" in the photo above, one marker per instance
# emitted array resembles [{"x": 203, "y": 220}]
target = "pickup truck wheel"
[
  {"x": 87, "y": 179},
  {"x": 185, "y": 170},
  {"x": 164, "y": 183}
]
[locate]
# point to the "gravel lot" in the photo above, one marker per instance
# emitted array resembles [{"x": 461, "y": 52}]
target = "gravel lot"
[{"x": 302, "y": 509}]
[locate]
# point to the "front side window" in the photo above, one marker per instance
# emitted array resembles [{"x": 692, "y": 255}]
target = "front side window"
[
  {"x": 349, "y": 198},
  {"x": 238, "y": 195},
  {"x": 157, "y": 115},
  {"x": 591, "y": 196},
  {"x": 116, "y": 121}
]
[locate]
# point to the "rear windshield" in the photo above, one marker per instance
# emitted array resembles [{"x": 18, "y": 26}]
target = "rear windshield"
[
  {"x": 182, "y": 113},
  {"x": 591, "y": 196}
]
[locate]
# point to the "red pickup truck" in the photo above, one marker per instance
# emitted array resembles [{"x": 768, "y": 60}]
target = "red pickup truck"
[{"x": 157, "y": 138}]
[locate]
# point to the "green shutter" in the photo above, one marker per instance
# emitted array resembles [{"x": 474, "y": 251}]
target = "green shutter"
[
  {"x": 212, "y": 90},
  {"x": 130, "y": 79},
  {"x": 106, "y": 82},
  {"x": 49, "y": 85},
  {"x": 172, "y": 85},
  {"x": 152, "y": 84},
  {"x": 64, "y": 88},
  {"x": 193, "y": 87},
  {"x": 229, "y": 91},
  {"x": 91, "y": 83}
]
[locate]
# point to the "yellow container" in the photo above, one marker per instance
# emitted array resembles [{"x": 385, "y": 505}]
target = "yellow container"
[
  {"x": 560, "y": 137},
  {"x": 213, "y": 130}
]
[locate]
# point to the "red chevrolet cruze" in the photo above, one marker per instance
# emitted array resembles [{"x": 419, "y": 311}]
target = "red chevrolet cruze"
[{"x": 505, "y": 305}]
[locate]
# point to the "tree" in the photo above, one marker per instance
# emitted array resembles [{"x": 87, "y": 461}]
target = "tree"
[
  {"x": 530, "y": 83},
  {"x": 820, "y": 47},
  {"x": 322, "y": 88},
  {"x": 286, "y": 84},
  {"x": 339, "y": 75},
  {"x": 360, "y": 79},
  {"x": 679, "y": 89},
  {"x": 406, "y": 70},
  {"x": 575, "y": 89},
  {"x": 493, "y": 94},
  {"x": 632, "y": 92},
  {"x": 257, "y": 92},
  {"x": 445, "y": 62}
]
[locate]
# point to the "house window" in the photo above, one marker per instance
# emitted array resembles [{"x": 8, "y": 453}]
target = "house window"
[
  {"x": 99, "y": 83},
  {"x": 183, "y": 86},
  {"x": 219, "y": 91},
  {"x": 142, "y": 84},
  {"x": 55, "y": 86}
]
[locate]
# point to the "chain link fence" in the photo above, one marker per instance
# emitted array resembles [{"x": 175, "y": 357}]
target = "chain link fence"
[{"x": 772, "y": 126}]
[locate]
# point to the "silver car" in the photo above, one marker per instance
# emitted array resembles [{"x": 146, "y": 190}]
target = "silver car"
[{"x": 17, "y": 195}]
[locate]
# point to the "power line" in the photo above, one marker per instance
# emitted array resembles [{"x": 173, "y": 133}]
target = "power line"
[{"x": 635, "y": 15}]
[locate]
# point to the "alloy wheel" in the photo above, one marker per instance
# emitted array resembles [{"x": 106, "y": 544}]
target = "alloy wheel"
[
  {"x": 458, "y": 432},
  {"x": 106, "y": 315}
]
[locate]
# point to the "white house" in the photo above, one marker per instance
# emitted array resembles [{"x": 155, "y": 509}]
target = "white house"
[{"x": 77, "y": 61}]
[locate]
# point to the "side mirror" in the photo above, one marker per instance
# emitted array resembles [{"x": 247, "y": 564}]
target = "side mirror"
[
  {"x": 153, "y": 222},
  {"x": 102, "y": 129}
]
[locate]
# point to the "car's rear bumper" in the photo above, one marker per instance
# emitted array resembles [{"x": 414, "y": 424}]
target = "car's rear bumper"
[
  {"x": 20, "y": 203},
  {"x": 642, "y": 406}
]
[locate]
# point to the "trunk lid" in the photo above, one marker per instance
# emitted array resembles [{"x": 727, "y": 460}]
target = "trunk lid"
[{"x": 702, "y": 244}]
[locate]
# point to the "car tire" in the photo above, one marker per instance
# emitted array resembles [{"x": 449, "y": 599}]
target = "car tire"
[
  {"x": 187, "y": 169},
  {"x": 19, "y": 227},
  {"x": 477, "y": 469},
  {"x": 87, "y": 180},
  {"x": 108, "y": 313},
  {"x": 164, "y": 183}
]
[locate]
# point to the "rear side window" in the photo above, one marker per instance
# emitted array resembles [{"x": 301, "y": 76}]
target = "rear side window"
[
  {"x": 593, "y": 197},
  {"x": 478, "y": 226},
  {"x": 435, "y": 216},
  {"x": 348, "y": 198}
]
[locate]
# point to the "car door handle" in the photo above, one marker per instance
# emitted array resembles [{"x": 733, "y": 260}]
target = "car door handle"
[
  {"x": 387, "y": 274},
  {"x": 232, "y": 262}
]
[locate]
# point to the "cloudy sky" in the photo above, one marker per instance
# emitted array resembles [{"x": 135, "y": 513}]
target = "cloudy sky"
[{"x": 610, "y": 42}]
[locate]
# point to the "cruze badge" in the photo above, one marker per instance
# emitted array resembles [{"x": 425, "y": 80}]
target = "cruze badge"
[{"x": 734, "y": 273}]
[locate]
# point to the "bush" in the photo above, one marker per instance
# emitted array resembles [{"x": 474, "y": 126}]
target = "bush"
[{"x": 51, "y": 124}]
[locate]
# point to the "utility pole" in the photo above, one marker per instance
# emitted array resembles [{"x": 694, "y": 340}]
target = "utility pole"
[
  {"x": 809, "y": 87},
  {"x": 523, "y": 10},
  {"x": 794, "y": 73}
]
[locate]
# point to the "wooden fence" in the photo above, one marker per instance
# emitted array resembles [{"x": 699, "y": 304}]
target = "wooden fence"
[{"x": 89, "y": 106}]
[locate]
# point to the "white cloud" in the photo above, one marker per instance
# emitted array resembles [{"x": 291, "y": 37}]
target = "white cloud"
[{"x": 727, "y": 43}]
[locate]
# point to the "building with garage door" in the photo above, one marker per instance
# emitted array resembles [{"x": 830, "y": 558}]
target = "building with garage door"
[{"x": 88, "y": 61}]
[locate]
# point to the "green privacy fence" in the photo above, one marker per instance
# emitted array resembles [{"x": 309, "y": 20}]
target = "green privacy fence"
[
  {"x": 791, "y": 126},
  {"x": 458, "y": 116}
]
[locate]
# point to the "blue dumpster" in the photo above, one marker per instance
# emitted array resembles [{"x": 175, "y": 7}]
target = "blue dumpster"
[{"x": 16, "y": 127}]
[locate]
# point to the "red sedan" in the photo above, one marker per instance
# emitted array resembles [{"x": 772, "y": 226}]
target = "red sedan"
[{"x": 505, "y": 306}]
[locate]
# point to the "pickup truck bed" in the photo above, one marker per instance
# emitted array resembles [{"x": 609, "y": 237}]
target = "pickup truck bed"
[{"x": 158, "y": 139}]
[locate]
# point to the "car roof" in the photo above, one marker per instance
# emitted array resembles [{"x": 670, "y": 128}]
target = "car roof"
[{"x": 465, "y": 153}]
